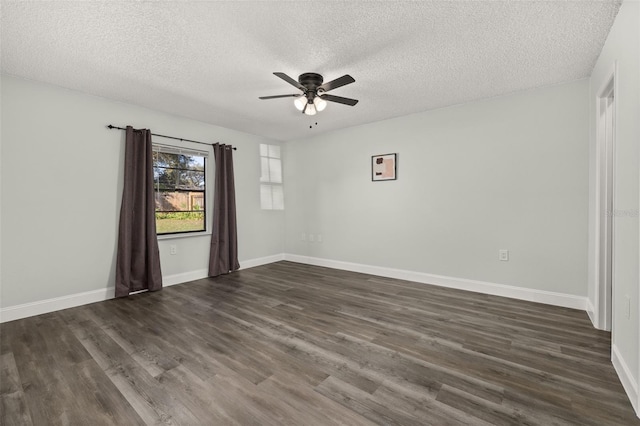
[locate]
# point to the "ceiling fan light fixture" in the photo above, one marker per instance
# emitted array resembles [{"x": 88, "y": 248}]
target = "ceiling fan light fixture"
[
  {"x": 319, "y": 103},
  {"x": 300, "y": 102},
  {"x": 311, "y": 109}
]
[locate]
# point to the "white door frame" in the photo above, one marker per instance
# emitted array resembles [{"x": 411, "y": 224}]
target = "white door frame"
[{"x": 604, "y": 192}]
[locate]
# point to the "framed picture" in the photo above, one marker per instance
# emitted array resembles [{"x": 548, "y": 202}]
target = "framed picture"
[{"x": 383, "y": 167}]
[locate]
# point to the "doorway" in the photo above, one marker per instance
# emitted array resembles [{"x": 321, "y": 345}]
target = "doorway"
[{"x": 605, "y": 146}]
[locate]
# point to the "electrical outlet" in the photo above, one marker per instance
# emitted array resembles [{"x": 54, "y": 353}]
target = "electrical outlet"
[
  {"x": 503, "y": 255},
  {"x": 311, "y": 239},
  {"x": 303, "y": 237},
  {"x": 319, "y": 239},
  {"x": 173, "y": 249}
]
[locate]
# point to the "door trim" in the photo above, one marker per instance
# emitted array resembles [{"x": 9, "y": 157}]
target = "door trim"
[{"x": 603, "y": 309}]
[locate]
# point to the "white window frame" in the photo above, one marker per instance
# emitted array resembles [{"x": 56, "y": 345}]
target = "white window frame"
[
  {"x": 271, "y": 179},
  {"x": 189, "y": 148}
]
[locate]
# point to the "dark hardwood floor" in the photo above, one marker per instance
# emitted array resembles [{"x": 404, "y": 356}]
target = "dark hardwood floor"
[{"x": 293, "y": 344}]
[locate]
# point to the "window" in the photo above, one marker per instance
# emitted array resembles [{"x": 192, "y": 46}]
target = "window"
[
  {"x": 271, "y": 191},
  {"x": 179, "y": 186}
]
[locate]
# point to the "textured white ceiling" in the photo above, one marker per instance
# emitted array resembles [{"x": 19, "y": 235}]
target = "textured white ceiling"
[{"x": 211, "y": 60}]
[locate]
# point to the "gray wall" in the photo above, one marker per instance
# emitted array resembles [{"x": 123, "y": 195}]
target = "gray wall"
[
  {"x": 61, "y": 190},
  {"x": 504, "y": 173},
  {"x": 623, "y": 46}
]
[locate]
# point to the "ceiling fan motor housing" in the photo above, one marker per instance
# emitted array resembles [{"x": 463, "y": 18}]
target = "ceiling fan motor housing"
[{"x": 311, "y": 81}]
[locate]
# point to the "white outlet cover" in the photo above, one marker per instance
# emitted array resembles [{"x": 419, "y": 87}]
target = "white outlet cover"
[{"x": 503, "y": 255}]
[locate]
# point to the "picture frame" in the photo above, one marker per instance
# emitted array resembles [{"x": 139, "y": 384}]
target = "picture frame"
[{"x": 384, "y": 167}]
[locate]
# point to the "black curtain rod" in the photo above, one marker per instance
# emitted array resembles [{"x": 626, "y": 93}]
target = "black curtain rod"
[{"x": 110, "y": 126}]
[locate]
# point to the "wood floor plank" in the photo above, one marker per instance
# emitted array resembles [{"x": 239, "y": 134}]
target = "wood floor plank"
[
  {"x": 308, "y": 406},
  {"x": 149, "y": 398},
  {"x": 9, "y": 376},
  {"x": 408, "y": 399},
  {"x": 194, "y": 393},
  {"x": 292, "y": 344},
  {"x": 363, "y": 403},
  {"x": 12, "y": 400},
  {"x": 491, "y": 412}
]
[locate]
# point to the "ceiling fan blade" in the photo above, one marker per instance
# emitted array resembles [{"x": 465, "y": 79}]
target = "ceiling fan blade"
[
  {"x": 279, "y": 96},
  {"x": 339, "y": 99},
  {"x": 338, "y": 82},
  {"x": 290, "y": 80}
]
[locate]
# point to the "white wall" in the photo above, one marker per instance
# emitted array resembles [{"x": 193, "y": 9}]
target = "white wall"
[
  {"x": 504, "y": 173},
  {"x": 622, "y": 46},
  {"x": 61, "y": 192}
]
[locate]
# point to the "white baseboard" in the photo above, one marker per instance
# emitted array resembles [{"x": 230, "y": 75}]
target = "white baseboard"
[
  {"x": 532, "y": 295},
  {"x": 56, "y": 304},
  {"x": 261, "y": 261},
  {"x": 626, "y": 378},
  {"x": 199, "y": 274},
  {"x": 70, "y": 301},
  {"x": 591, "y": 311},
  {"x": 185, "y": 277},
  {"x": 49, "y": 305}
]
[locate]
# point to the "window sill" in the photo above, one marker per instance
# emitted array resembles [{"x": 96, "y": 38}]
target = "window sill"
[{"x": 186, "y": 235}]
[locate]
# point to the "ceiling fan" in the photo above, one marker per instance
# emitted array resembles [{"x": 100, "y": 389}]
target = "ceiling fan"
[{"x": 313, "y": 97}]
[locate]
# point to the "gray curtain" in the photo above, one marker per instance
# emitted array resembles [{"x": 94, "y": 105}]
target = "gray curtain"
[
  {"x": 138, "y": 259},
  {"x": 224, "y": 239}
]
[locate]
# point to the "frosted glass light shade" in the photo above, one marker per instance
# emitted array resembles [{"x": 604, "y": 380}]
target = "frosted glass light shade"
[
  {"x": 319, "y": 103},
  {"x": 300, "y": 102},
  {"x": 311, "y": 109}
]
